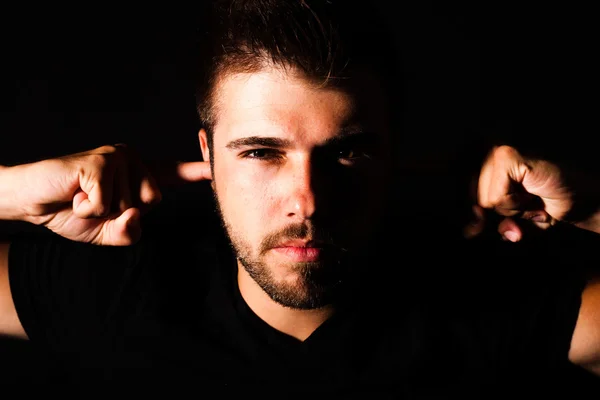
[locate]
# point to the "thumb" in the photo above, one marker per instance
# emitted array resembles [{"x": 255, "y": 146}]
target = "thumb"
[
  {"x": 124, "y": 230},
  {"x": 510, "y": 230}
]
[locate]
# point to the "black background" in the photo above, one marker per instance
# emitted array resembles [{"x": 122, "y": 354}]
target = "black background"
[
  {"x": 74, "y": 78},
  {"x": 77, "y": 78}
]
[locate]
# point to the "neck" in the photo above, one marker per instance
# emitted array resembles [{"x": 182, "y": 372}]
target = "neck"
[{"x": 299, "y": 324}]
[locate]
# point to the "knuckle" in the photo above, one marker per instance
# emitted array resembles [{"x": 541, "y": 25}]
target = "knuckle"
[
  {"x": 497, "y": 200},
  {"x": 505, "y": 152},
  {"x": 150, "y": 197},
  {"x": 485, "y": 203},
  {"x": 106, "y": 149},
  {"x": 118, "y": 151},
  {"x": 98, "y": 160},
  {"x": 148, "y": 191},
  {"x": 101, "y": 209},
  {"x": 493, "y": 199}
]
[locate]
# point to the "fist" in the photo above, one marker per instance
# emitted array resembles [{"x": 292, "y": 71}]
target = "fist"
[
  {"x": 523, "y": 192},
  {"x": 98, "y": 196}
]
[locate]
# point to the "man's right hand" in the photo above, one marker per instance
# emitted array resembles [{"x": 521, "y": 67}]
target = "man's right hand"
[{"x": 95, "y": 196}]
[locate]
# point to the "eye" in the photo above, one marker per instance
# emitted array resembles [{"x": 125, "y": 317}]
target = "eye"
[
  {"x": 348, "y": 153},
  {"x": 351, "y": 156},
  {"x": 262, "y": 154}
]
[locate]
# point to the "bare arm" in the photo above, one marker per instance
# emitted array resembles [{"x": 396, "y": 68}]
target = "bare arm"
[
  {"x": 95, "y": 197},
  {"x": 9, "y": 321},
  {"x": 536, "y": 192},
  {"x": 585, "y": 344}
]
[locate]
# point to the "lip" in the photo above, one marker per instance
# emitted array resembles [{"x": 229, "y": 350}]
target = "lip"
[
  {"x": 301, "y": 243},
  {"x": 301, "y": 250},
  {"x": 300, "y": 254}
]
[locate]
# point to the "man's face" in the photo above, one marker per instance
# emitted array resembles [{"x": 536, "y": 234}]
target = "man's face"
[{"x": 300, "y": 179}]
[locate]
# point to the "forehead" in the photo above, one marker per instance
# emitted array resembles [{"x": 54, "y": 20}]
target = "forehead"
[{"x": 282, "y": 99}]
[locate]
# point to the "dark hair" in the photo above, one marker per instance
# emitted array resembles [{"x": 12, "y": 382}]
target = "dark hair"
[{"x": 327, "y": 41}]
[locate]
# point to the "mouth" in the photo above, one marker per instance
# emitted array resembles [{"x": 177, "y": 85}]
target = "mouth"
[{"x": 301, "y": 250}]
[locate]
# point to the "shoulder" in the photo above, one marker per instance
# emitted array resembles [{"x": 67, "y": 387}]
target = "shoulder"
[{"x": 49, "y": 269}]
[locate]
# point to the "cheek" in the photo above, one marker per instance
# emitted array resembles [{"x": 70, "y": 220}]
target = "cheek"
[
  {"x": 246, "y": 197},
  {"x": 362, "y": 190},
  {"x": 366, "y": 200}
]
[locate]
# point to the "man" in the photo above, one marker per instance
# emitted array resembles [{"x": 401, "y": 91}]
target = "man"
[{"x": 317, "y": 295}]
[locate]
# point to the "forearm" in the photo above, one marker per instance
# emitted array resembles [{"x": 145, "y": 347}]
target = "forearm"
[
  {"x": 10, "y": 209},
  {"x": 10, "y": 326}
]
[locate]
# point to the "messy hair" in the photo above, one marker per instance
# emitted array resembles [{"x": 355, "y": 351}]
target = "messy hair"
[{"x": 327, "y": 42}]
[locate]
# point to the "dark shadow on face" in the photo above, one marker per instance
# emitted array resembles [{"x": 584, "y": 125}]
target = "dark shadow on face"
[{"x": 349, "y": 180}]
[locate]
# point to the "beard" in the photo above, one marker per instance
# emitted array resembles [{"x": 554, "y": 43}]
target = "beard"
[{"x": 315, "y": 284}]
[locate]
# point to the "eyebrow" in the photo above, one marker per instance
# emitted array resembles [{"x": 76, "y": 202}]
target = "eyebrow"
[
  {"x": 258, "y": 141},
  {"x": 351, "y": 133}
]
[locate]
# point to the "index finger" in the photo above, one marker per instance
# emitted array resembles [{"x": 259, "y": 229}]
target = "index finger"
[
  {"x": 181, "y": 172},
  {"x": 193, "y": 171}
]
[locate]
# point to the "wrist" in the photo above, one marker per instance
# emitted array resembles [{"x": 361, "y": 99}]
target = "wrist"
[{"x": 10, "y": 207}]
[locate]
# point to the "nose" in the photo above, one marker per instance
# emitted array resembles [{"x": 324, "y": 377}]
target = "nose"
[{"x": 300, "y": 199}]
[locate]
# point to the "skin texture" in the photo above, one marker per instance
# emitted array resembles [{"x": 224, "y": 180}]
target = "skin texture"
[
  {"x": 295, "y": 162},
  {"x": 96, "y": 196},
  {"x": 303, "y": 182},
  {"x": 533, "y": 195}
]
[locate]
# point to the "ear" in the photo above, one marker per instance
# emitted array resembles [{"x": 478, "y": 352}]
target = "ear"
[
  {"x": 205, "y": 151},
  {"x": 204, "y": 145}
]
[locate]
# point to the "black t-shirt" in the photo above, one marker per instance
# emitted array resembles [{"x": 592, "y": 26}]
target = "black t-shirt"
[{"x": 472, "y": 320}]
